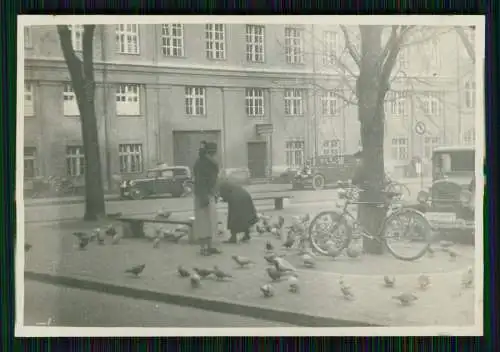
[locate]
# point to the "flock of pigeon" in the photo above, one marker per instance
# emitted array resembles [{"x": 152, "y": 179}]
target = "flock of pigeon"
[{"x": 293, "y": 236}]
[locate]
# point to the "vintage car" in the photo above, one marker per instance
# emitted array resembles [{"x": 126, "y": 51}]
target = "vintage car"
[
  {"x": 174, "y": 180},
  {"x": 450, "y": 201},
  {"x": 324, "y": 170}
]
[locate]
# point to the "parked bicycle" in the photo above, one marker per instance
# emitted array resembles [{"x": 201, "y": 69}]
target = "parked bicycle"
[
  {"x": 394, "y": 186},
  {"x": 339, "y": 228}
]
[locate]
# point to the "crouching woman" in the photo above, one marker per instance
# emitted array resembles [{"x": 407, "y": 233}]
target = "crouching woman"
[{"x": 241, "y": 209}]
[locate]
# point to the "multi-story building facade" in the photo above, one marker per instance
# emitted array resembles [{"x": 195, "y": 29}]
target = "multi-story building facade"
[{"x": 270, "y": 95}]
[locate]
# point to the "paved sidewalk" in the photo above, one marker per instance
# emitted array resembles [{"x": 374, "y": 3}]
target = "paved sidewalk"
[{"x": 53, "y": 258}]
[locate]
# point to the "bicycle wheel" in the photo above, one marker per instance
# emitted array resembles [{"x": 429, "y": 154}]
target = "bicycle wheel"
[
  {"x": 329, "y": 229},
  {"x": 407, "y": 234}
]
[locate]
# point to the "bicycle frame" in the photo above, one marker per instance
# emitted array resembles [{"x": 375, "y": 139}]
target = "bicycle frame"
[{"x": 362, "y": 230}]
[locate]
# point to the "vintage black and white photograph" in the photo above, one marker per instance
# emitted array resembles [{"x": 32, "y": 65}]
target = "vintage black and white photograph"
[{"x": 246, "y": 175}]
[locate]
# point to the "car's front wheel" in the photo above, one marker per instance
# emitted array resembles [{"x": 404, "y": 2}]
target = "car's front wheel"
[
  {"x": 318, "y": 182},
  {"x": 136, "y": 194}
]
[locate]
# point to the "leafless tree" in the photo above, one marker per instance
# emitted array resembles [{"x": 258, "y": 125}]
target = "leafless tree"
[
  {"x": 82, "y": 79},
  {"x": 469, "y": 46},
  {"x": 366, "y": 68}
]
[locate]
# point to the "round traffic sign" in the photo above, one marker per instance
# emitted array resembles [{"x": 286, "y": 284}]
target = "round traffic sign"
[{"x": 420, "y": 128}]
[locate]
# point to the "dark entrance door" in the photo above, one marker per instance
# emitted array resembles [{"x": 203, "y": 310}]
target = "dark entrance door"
[
  {"x": 257, "y": 159},
  {"x": 187, "y": 143}
]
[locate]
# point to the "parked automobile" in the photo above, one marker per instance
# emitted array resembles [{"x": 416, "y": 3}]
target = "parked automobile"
[
  {"x": 324, "y": 170},
  {"x": 450, "y": 201},
  {"x": 173, "y": 180}
]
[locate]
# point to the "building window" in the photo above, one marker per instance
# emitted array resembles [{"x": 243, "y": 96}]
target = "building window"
[
  {"x": 29, "y": 108},
  {"x": 254, "y": 101},
  {"x": 75, "y": 161},
  {"x": 470, "y": 94},
  {"x": 28, "y": 41},
  {"x": 397, "y": 104},
  {"x": 293, "y": 102},
  {"x": 294, "y": 151},
  {"x": 172, "y": 39},
  {"x": 469, "y": 137},
  {"x": 130, "y": 158},
  {"x": 332, "y": 147},
  {"x": 127, "y": 100},
  {"x": 403, "y": 58},
  {"x": 195, "y": 101},
  {"x": 127, "y": 38},
  {"x": 294, "y": 45},
  {"x": 30, "y": 170},
  {"x": 330, "y": 104},
  {"x": 76, "y": 36},
  {"x": 330, "y": 48},
  {"x": 400, "y": 148},
  {"x": 431, "y": 105},
  {"x": 70, "y": 106},
  {"x": 215, "y": 38},
  {"x": 430, "y": 143},
  {"x": 255, "y": 43}
]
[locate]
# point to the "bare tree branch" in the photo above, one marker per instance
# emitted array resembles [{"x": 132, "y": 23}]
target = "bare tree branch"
[
  {"x": 348, "y": 43},
  {"x": 469, "y": 47}
]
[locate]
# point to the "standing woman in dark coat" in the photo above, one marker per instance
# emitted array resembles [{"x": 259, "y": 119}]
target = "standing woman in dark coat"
[
  {"x": 206, "y": 171},
  {"x": 241, "y": 210}
]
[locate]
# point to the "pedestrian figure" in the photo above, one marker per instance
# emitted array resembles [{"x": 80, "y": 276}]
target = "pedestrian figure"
[
  {"x": 241, "y": 209},
  {"x": 205, "y": 172}
]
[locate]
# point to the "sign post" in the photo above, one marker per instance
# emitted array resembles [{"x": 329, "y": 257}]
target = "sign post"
[{"x": 420, "y": 129}]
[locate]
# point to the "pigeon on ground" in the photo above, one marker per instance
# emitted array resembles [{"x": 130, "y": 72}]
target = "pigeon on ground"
[
  {"x": 156, "y": 242},
  {"x": 289, "y": 242},
  {"x": 424, "y": 281},
  {"x": 220, "y": 275},
  {"x": 453, "y": 255},
  {"x": 110, "y": 230},
  {"x": 116, "y": 238},
  {"x": 269, "y": 246},
  {"x": 136, "y": 270},
  {"x": 446, "y": 244},
  {"x": 277, "y": 275},
  {"x": 27, "y": 247},
  {"x": 389, "y": 282},
  {"x": 468, "y": 278},
  {"x": 334, "y": 252},
  {"x": 83, "y": 242},
  {"x": 195, "y": 280},
  {"x": 406, "y": 298},
  {"x": 353, "y": 252},
  {"x": 183, "y": 272},
  {"x": 430, "y": 251},
  {"x": 283, "y": 265},
  {"x": 309, "y": 261},
  {"x": 346, "y": 291},
  {"x": 267, "y": 290},
  {"x": 242, "y": 261},
  {"x": 203, "y": 273},
  {"x": 79, "y": 235},
  {"x": 293, "y": 284}
]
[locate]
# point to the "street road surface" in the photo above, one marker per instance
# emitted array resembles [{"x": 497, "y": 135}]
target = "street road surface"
[
  {"x": 54, "y": 212},
  {"x": 63, "y": 306}
]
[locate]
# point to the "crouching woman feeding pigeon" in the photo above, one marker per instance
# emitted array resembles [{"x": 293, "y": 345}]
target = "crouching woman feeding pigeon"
[
  {"x": 206, "y": 171},
  {"x": 241, "y": 210}
]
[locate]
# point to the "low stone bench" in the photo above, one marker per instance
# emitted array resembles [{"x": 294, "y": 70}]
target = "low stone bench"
[
  {"x": 133, "y": 226},
  {"x": 278, "y": 200}
]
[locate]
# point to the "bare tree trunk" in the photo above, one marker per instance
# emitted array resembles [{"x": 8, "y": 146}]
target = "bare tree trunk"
[
  {"x": 371, "y": 89},
  {"x": 82, "y": 78}
]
